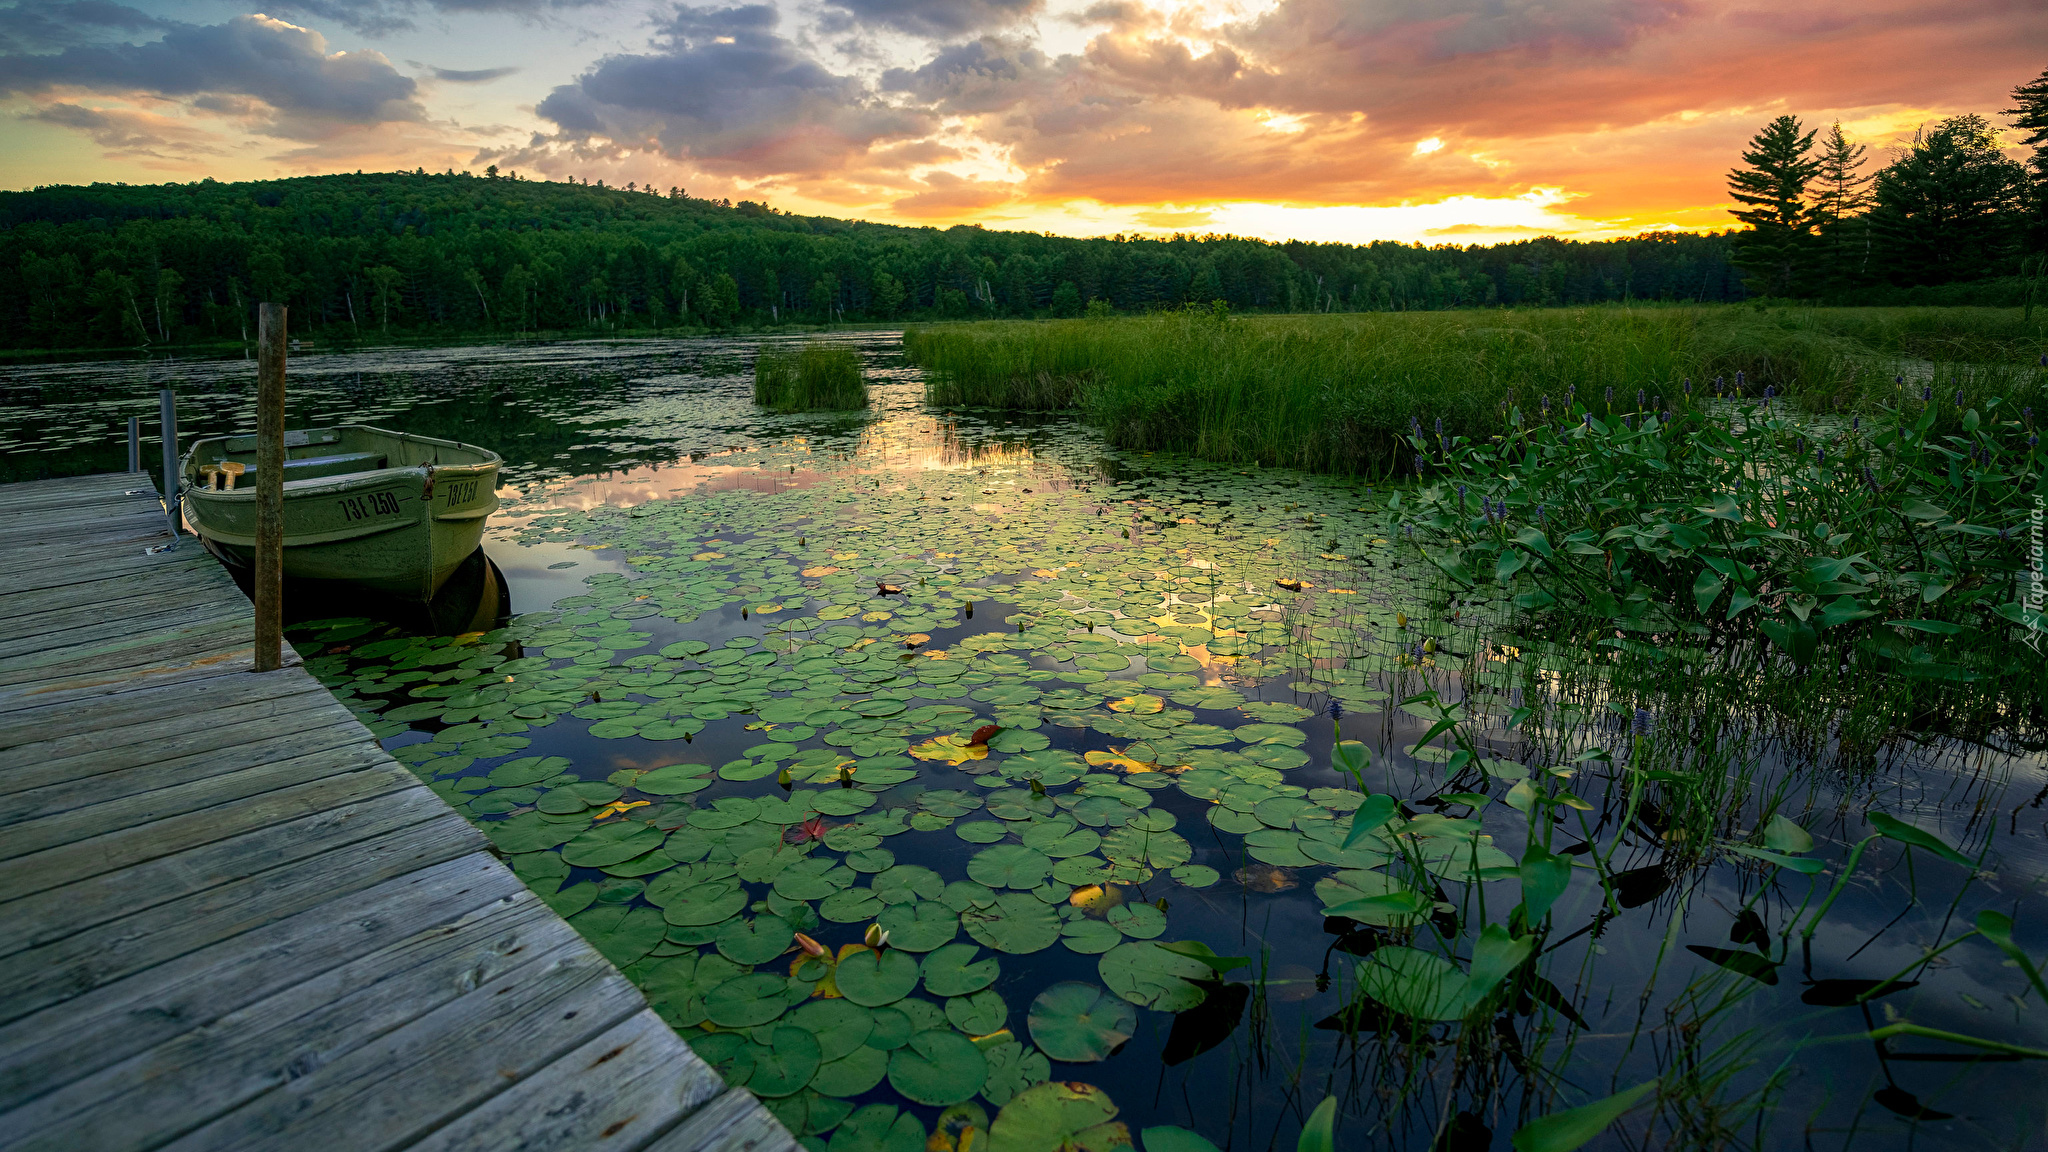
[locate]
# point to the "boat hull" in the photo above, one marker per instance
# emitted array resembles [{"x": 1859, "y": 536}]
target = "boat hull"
[{"x": 401, "y": 532}]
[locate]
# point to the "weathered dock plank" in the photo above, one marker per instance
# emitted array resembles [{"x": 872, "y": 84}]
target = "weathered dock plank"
[{"x": 236, "y": 922}]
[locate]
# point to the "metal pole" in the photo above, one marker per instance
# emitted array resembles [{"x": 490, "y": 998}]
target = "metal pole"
[
  {"x": 270, "y": 337},
  {"x": 135, "y": 443},
  {"x": 167, "y": 410}
]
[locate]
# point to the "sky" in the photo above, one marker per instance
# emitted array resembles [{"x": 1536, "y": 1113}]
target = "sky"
[{"x": 1431, "y": 121}]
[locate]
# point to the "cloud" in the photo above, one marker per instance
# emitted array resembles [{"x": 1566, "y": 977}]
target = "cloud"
[
  {"x": 48, "y": 25},
  {"x": 938, "y": 19},
  {"x": 473, "y": 76},
  {"x": 386, "y": 17},
  {"x": 130, "y": 132},
  {"x": 278, "y": 74},
  {"x": 725, "y": 91}
]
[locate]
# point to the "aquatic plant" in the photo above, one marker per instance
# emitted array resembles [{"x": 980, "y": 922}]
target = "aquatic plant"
[
  {"x": 814, "y": 377},
  {"x": 1335, "y": 393}
]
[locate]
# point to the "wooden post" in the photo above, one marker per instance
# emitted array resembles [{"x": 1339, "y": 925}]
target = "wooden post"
[
  {"x": 270, "y": 336},
  {"x": 135, "y": 443},
  {"x": 167, "y": 412}
]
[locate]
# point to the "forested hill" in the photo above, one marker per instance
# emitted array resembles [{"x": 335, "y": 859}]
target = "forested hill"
[{"x": 359, "y": 256}]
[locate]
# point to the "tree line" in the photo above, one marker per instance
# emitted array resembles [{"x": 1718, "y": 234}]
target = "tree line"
[
  {"x": 449, "y": 254},
  {"x": 1951, "y": 207},
  {"x": 418, "y": 254}
]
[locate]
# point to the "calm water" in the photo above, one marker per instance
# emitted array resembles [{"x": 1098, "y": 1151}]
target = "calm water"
[{"x": 702, "y": 596}]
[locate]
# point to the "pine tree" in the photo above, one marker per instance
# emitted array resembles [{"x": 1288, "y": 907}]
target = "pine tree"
[
  {"x": 2031, "y": 117},
  {"x": 1841, "y": 198},
  {"x": 1950, "y": 208},
  {"x": 1776, "y": 250}
]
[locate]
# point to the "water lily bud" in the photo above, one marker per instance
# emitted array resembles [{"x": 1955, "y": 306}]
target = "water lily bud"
[
  {"x": 876, "y": 938},
  {"x": 1400, "y": 619},
  {"x": 785, "y": 778},
  {"x": 811, "y": 947},
  {"x": 1037, "y": 788}
]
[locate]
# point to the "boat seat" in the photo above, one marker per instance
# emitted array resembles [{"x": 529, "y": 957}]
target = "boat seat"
[{"x": 313, "y": 467}]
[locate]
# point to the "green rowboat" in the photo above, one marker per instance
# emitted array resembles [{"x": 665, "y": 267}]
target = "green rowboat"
[{"x": 391, "y": 511}]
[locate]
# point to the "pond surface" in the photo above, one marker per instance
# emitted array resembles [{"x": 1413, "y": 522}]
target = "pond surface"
[{"x": 739, "y": 696}]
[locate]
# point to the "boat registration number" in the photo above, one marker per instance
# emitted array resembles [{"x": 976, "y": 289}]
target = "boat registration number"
[
  {"x": 369, "y": 505},
  {"x": 461, "y": 491}
]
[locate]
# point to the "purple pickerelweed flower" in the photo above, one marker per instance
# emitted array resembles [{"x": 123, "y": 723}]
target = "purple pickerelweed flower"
[
  {"x": 1667, "y": 416},
  {"x": 1461, "y": 493},
  {"x": 1720, "y": 385},
  {"x": 1738, "y": 381},
  {"x": 1589, "y": 419},
  {"x": 1439, "y": 427},
  {"x": 1541, "y": 514},
  {"x": 1639, "y": 398},
  {"x": 1799, "y": 446},
  {"x": 2033, "y": 440},
  {"x": 1415, "y": 650},
  {"x": 1959, "y": 397},
  {"x": 1820, "y": 455},
  {"x": 1899, "y": 380},
  {"x": 1643, "y": 723},
  {"x": 2044, "y": 361},
  {"x": 1610, "y": 397},
  {"x": 1770, "y": 390},
  {"x": 1856, "y": 424},
  {"x": 1418, "y": 463},
  {"x": 1546, "y": 406},
  {"x": 1869, "y": 478},
  {"x": 1336, "y": 710},
  {"x": 1926, "y": 393},
  {"x": 1416, "y": 424},
  {"x": 1687, "y": 386}
]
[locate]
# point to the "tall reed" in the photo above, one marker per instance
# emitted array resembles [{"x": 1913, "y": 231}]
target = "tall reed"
[
  {"x": 815, "y": 377},
  {"x": 1334, "y": 393}
]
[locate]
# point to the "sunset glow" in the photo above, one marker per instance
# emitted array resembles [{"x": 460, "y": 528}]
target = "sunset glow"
[{"x": 1312, "y": 119}]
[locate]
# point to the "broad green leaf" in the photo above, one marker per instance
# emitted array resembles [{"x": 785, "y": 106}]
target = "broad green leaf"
[
  {"x": 1080, "y": 1023},
  {"x": 1782, "y": 835},
  {"x": 1897, "y": 829},
  {"x": 938, "y": 1068},
  {"x": 1060, "y": 1115},
  {"x": 1572, "y": 1128},
  {"x": 1318, "y": 1132}
]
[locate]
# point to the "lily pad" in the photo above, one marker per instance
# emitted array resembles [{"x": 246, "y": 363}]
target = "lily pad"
[
  {"x": 873, "y": 979},
  {"x": 840, "y": 1025},
  {"x": 954, "y": 971},
  {"x": 1148, "y": 975},
  {"x": 980, "y": 831},
  {"x": 786, "y": 1064},
  {"x": 747, "y": 1001},
  {"x": 710, "y": 902},
  {"x": 675, "y": 780},
  {"x": 612, "y": 843},
  {"x": 979, "y": 1013},
  {"x": 1016, "y": 922},
  {"x": 621, "y": 933},
  {"x": 1090, "y": 937},
  {"x": 878, "y": 1128},
  {"x": 1138, "y": 921},
  {"x": 755, "y": 941},
  {"x": 919, "y": 926},
  {"x": 852, "y": 1074},
  {"x": 1062, "y": 1115},
  {"x": 1009, "y": 866},
  {"x": 938, "y": 1068},
  {"x": 1080, "y": 1023},
  {"x": 1012, "y": 1067}
]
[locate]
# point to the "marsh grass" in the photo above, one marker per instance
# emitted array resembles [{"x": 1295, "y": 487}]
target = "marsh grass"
[
  {"x": 816, "y": 377},
  {"x": 1333, "y": 393}
]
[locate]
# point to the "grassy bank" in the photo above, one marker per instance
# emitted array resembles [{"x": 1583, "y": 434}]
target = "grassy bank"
[
  {"x": 813, "y": 378},
  {"x": 1335, "y": 393}
]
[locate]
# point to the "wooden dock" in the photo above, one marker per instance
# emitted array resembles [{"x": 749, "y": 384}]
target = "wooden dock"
[{"x": 228, "y": 920}]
